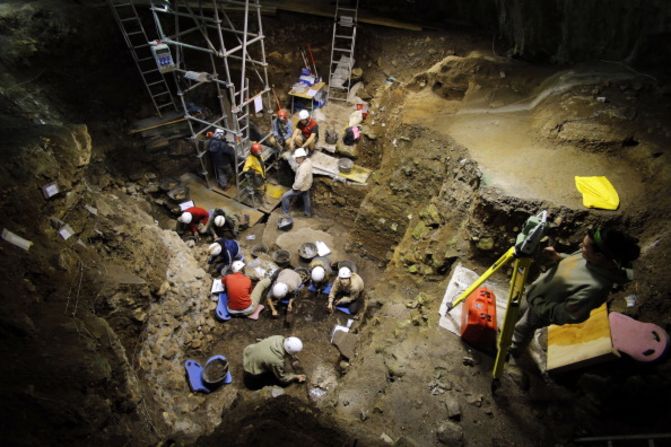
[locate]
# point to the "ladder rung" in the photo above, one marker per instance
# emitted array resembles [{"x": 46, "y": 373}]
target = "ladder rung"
[
  {"x": 134, "y": 33},
  {"x": 155, "y": 83},
  {"x": 346, "y": 9},
  {"x": 150, "y": 71},
  {"x": 167, "y": 104},
  {"x": 337, "y": 88},
  {"x": 161, "y": 94},
  {"x": 120, "y": 5},
  {"x": 344, "y": 50},
  {"x": 145, "y": 59},
  {"x": 340, "y": 36},
  {"x": 128, "y": 19}
]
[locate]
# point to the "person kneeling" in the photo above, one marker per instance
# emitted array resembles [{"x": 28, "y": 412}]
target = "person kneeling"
[
  {"x": 239, "y": 288},
  {"x": 264, "y": 362},
  {"x": 347, "y": 291}
]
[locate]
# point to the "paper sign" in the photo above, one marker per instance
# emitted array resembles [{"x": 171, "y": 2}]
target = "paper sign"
[
  {"x": 186, "y": 205},
  {"x": 16, "y": 239},
  {"x": 322, "y": 248},
  {"x": 312, "y": 92},
  {"x": 50, "y": 189},
  {"x": 66, "y": 232},
  {"x": 258, "y": 103},
  {"x": 217, "y": 286}
]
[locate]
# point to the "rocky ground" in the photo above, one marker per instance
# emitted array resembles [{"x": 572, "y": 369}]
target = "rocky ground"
[{"x": 110, "y": 314}]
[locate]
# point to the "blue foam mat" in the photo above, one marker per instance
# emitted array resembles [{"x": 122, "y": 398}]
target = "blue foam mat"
[
  {"x": 344, "y": 310},
  {"x": 194, "y": 375},
  {"x": 222, "y": 308}
]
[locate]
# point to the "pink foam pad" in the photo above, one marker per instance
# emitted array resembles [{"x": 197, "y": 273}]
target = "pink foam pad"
[
  {"x": 256, "y": 313},
  {"x": 645, "y": 342}
]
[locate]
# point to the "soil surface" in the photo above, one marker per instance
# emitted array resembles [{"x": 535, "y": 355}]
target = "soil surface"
[{"x": 464, "y": 145}]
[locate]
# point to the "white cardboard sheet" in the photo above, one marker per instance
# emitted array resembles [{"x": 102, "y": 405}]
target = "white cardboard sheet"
[{"x": 460, "y": 280}]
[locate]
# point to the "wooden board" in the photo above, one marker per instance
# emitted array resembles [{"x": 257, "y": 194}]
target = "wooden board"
[
  {"x": 575, "y": 345},
  {"x": 209, "y": 199},
  {"x": 272, "y": 199},
  {"x": 323, "y": 164}
]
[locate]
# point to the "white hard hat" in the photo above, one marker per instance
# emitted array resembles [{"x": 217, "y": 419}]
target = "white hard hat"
[
  {"x": 237, "y": 266},
  {"x": 300, "y": 152},
  {"x": 280, "y": 290},
  {"x": 219, "y": 221},
  {"x": 215, "y": 249},
  {"x": 318, "y": 274},
  {"x": 303, "y": 114},
  {"x": 219, "y": 133},
  {"x": 293, "y": 345},
  {"x": 185, "y": 218},
  {"x": 344, "y": 273}
]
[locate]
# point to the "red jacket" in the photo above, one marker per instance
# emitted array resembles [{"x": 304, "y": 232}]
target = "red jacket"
[
  {"x": 239, "y": 288},
  {"x": 200, "y": 215},
  {"x": 308, "y": 128}
]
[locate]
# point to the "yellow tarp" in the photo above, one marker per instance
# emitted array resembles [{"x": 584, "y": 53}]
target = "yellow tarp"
[{"x": 597, "y": 192}]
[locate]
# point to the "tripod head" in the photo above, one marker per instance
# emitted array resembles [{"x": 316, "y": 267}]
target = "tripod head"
[{"x": 531, "y": 235}]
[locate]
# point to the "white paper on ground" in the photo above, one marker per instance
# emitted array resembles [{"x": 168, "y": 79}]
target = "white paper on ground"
[
  {"x": 217, "y": 286},
  {"x": 459, "y": 281},
  {"x": 322, "y": 248},
  {"x": 186, "y": 205},
  {"x": 15, "y": 239}
]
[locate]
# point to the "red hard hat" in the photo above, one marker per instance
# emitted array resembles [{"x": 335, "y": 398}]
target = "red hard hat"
[
  {"x": 210, "y": 134},
  {"x": 283, "y": 113},
  {"x": 256, "y": 149}
]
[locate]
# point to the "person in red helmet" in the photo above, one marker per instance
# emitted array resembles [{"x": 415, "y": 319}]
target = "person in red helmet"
[{"x": 254, "y": 171}]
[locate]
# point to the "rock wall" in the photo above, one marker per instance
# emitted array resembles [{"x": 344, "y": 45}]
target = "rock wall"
[
  {"x": 559, "y": 31},
  {"x": 570, "y": 30}
]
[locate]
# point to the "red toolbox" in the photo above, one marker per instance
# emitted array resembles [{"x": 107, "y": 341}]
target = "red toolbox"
[{"x": 478, "y": 319}]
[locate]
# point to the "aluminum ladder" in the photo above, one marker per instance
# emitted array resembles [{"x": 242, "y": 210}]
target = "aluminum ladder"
[
  {"x": 342, "y": 52},
  {"x": 136, "y": 39}
]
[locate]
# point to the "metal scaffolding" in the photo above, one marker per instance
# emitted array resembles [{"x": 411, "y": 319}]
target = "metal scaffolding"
[{"x": 217, "y": 45}]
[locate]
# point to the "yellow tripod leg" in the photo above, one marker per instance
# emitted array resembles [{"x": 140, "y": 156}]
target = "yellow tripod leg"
[
  {"x": 517, "y": 281},
  {"x": 503, "y": 260}
]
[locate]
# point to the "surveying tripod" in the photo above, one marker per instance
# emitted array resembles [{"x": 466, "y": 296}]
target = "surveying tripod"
[{"x": 525, "y": 246}]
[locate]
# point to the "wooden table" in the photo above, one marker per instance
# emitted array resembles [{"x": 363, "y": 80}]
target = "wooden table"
[{"x": 308, "y": 93}]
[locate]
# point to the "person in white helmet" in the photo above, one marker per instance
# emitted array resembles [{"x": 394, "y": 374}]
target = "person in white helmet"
[
  {"x": 223, "y": 252},
  {"x": 285, "y": 283},
  {"x": 239, "y": 288},
  {"x": 222, "y": 224},
  {"x": 302, "y": 184},
  {"x": 193, "y": 220},
  {"x": 306, "y": 133},
  {"x": 264, "y": 362},
  {"x": 347, "y": 291},
  {"x": 320, "y": 275}
]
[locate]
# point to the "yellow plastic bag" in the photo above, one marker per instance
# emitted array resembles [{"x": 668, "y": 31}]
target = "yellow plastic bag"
[{"x": 597, "y": 192}]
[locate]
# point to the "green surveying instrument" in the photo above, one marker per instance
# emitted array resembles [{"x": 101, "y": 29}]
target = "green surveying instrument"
[{"x": 522, "y": 252}]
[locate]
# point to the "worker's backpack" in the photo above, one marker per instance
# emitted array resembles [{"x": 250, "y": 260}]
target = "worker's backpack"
[{"x": 352, "y": 135}]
